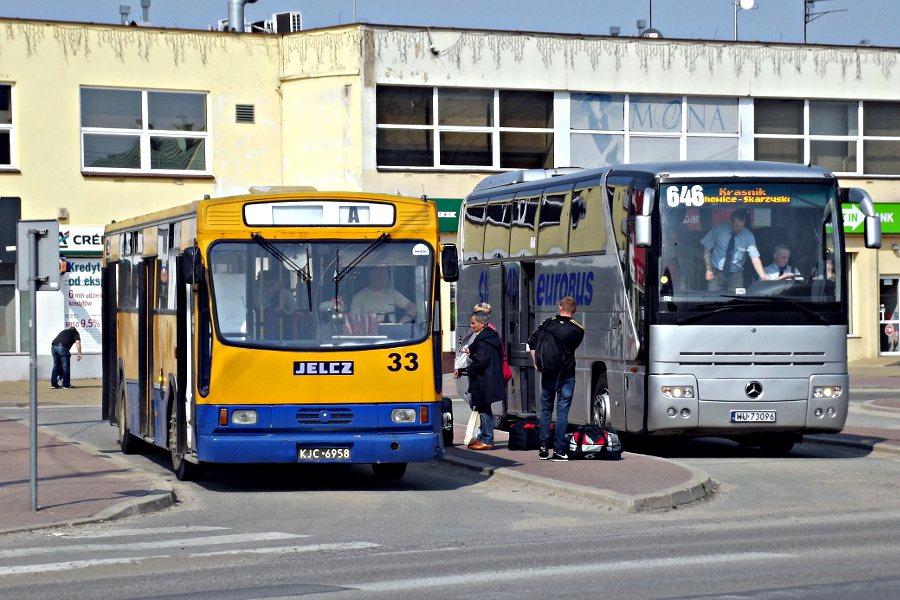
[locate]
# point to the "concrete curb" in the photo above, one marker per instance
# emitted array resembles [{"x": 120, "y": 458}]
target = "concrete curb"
[
  {"x": 698, "y": 487},
  {"x": 127, "y": 508}
]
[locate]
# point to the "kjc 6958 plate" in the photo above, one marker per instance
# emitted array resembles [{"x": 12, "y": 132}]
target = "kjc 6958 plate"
[{"x": 317, "y": 454}]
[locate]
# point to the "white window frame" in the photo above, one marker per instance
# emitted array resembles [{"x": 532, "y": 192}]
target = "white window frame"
[
  {"x": 10, "y": 128},
  {"x": 682, "y": 135},
  {"x": 494, "y": 130},
  {"x": 858, "y": 139},
  {"x": 144, "y": 134}
]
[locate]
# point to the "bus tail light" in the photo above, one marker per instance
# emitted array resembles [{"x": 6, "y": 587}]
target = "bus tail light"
[{"x": 423, "y": 414}]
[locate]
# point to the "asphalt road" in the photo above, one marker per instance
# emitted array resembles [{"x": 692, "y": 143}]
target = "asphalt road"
[{"x": 822, "y": 522}]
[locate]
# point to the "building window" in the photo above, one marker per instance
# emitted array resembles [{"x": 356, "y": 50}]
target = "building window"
[
  {"x": 15, "y": 334},
  {"x": 608, "y": 129},
  {"x": 828, "y": 133},
  {"x": 457, "y": 128},
  {"x": 144, "y": 131},
  {"x": 6, "y": 125}
]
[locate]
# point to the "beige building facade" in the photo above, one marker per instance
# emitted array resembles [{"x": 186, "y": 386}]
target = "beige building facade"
[{"x": 105, "y": 122}]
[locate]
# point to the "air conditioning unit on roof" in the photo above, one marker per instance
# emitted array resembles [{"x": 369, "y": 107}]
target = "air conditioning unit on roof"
[{"x": 286, "y": 22}]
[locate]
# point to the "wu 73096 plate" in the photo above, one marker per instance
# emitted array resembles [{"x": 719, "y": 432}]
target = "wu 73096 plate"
[
  {"x": 314, "y": 454},
  {"x": 753, "y": 416}
]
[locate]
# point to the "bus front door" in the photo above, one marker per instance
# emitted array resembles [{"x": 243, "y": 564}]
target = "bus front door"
[{"x": 518, "y": 323}]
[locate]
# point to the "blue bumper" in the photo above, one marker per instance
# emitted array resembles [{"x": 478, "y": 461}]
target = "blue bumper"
[{"x": 282, "y": 431}]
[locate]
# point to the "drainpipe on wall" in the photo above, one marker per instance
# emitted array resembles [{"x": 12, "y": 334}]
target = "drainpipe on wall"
[{"x": 236, "y": 14}]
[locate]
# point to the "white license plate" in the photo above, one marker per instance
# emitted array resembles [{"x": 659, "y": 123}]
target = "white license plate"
[
  {"x": 753, "y": 416},
  {"x": 314, "y": 454}
]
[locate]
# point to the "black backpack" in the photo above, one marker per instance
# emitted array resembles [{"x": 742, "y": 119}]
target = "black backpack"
[{"x": 549, "y": 354}]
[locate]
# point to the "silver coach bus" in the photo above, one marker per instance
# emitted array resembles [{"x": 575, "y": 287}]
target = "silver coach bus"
[{"x": 666, "y": 351}]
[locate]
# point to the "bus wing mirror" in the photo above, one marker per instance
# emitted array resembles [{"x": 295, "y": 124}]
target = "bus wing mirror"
[
  {"x": 642, "y": 231},
  {"x": 872, "y": 221},
  {"x": 449, "y": 263},
  {"x": 191, "y": 265}
]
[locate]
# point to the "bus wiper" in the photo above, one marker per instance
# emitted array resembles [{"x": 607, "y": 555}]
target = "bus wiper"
[
  {"x": 343, "y": 272},
  {"x": 281, "y": 256},
  {"x": 771, "y": 300},
  {"x": 745, "y": 302},
  {"x": 302, "y": 273}
]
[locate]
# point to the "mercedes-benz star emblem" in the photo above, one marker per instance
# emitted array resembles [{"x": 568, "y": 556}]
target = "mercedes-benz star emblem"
[{"x": 753, "y": 389}]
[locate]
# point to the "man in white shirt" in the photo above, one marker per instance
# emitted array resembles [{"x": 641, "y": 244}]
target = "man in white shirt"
[
  {"x": 780, "y": 269},
  {"x": 379, "y": 298}
]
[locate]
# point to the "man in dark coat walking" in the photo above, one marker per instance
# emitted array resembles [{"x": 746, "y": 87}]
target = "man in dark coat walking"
[{"x": 486, "y": 383}]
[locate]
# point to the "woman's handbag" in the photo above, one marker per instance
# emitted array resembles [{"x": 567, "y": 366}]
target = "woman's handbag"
[
  {"x": 472, "y": 428},
  {"x": 462, "y": 359},
  {"x": 507, "y": 372}
]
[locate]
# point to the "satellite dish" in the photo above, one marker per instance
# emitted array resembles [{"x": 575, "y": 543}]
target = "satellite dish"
[{"x": 747, "y": 4}]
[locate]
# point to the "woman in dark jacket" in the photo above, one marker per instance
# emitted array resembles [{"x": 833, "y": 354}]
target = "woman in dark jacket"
[{"x": 486, "y": 383}]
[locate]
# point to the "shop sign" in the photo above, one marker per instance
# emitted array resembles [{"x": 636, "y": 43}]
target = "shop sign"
[
  {"x": 889, "y": 212},
  {"x": 448, "y": 213},
  {"x": 83, "y": 241}
]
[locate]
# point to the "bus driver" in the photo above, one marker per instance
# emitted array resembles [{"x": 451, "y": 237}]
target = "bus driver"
[{"x": 383, "y": 300}]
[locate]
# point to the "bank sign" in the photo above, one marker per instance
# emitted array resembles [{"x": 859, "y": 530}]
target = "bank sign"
[
  {"x": 888, "y": 212},
  {"x": 80, "y": 241}
]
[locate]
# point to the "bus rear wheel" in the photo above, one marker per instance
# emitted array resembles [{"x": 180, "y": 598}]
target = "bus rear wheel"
[
  {"x": 184, "y": 470},
  {"x": 128, "y": 443},
  {"x": 389, "y": 470}
]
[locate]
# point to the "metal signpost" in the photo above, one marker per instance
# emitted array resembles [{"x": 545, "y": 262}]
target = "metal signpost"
[{"x": 38, "y": 269}]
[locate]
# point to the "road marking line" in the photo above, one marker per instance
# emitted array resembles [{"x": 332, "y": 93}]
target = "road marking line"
[
  {"x": 174, "y": 543},
  {"x": 540, "y": 573},
  {"x": 83, "y": 564},
  {"x": 128, "y": 532},
  {"x": 288, "y": 549}
]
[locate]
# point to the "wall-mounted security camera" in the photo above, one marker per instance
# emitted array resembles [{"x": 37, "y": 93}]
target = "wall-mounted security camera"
[{"x": 433, "y": 50}]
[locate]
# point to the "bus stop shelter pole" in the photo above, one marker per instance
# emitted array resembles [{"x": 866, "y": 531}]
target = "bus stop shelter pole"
[{"x": 33, "y": 235}]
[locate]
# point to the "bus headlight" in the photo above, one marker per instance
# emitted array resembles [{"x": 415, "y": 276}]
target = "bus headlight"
[
  {"x": 243, "y": 416},
  {"x": 827, "y": 391},
  {"x": 678, "y": 391},
  {"x": 403, "y": 415}
]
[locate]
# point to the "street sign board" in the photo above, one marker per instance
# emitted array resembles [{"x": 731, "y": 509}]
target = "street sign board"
[{"x": 47, "y": 251}]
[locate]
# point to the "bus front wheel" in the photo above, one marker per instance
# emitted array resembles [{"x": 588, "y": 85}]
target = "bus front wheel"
[
  {"x": 389, "y": 470},
  {"x": 184, "y": 470},
  {"x": 600, "y": 405},
  {"x": 128, "y": 443},
  {"x": 777, "y": 444}
]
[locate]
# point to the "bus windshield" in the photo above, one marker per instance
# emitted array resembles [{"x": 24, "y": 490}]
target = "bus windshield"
[
  {"x": 313, "y": 294},
  {"x": 748, "y": 245}
]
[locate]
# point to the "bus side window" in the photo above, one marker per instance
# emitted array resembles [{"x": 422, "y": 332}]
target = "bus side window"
[
  {"x": 588, "y": 218},
  {"x": 473, "y": 231},
  {"x": 522, "y": 234},
  {"x": 553, "y": 228},
  {"x": 497, "y": 225}
]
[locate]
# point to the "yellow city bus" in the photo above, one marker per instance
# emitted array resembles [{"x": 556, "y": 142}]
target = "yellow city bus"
[{"x": 283, "y": 326}]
